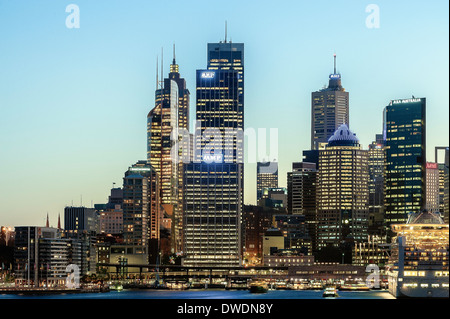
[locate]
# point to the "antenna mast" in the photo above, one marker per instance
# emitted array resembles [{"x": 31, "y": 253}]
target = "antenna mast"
[
  {"x": 226, "y": 29},
  {"x": 335, "y": 63}
]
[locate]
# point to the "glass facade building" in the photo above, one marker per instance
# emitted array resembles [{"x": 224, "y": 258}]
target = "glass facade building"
[
  {"x": 405, "y": 170},
  {"x": 213, "y": 182}
]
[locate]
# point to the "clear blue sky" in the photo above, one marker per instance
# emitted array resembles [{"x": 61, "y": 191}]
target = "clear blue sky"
[{"x": 73, "y": 102}]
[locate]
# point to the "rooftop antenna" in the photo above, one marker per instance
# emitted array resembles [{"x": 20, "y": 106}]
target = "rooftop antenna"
[
  {"x": 174, "y": 61},
  {"x": 162, "y": 67},
  {"x": 226, "y": 27},
  {"x": 335, "y": 63},
  {"x": 157, "y": 76}
]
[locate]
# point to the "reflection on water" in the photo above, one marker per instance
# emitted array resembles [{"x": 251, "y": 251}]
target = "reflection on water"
[{"x": 210, "y": 294}]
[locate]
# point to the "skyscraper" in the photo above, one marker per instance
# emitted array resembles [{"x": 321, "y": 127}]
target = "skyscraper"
[
  {"x": 212, "y": 213},
  {"x": 266, "y": 177},
  {"x": 343, "y": 192},
  {"x": 302, "y": 195},
  {"x": 443, "y": 167},
  {"x": 376, "y": 183},
  {"x": 329, "y": 109},
  {"x": 405, "y": 135},
  {"x": 166, "y": 122},
  {"x": 141, "y": 212},
  {"x": 432, "y": 187},
  {"x": 213, "y": 187}
]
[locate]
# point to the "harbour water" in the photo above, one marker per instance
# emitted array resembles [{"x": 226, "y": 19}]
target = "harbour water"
[{"x": 209, "y": 294}]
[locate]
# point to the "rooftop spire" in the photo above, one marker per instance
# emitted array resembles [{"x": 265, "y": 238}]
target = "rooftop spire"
[
  {"x": 59, "y": 221},
  {"x": 174, "y": 66},
  {"x": 47, "y": 224}
]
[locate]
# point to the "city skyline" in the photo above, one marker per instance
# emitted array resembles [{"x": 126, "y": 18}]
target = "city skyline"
[{"x": 119, "y": 136}]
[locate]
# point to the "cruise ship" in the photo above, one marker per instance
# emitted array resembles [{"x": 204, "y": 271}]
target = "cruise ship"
[{"x": 418, "y": 266}]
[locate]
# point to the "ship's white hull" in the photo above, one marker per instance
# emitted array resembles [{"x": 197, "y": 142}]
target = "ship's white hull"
[{"x": 419, "y": 287}]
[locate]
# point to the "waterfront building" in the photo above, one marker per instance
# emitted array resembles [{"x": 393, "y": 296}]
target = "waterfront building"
[
  {"x": 288, "y": 258},
  {"x": 329, "y": 110},
  {"x": 327, "y": 271},
  {"x": 342, "y": 191},
  {"x": 41, "y": 257},
  {"x": 405, "y": 142},
  {"x": 255, "y": 221},
  {"x": 273, "y": 240},
  {"x": 141, "y": 211},
  {"x": 419, "y": 259},
  {"x": 81, "y": 224},
  {"x": 373, "y": 251},
  {"x": 266, "y": 177}
]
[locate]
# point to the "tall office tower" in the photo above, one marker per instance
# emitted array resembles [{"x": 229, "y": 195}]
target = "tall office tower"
[
  {"x": 443, "y": 181},
  {"x": 302, "y": 192},
  {"x": 266, "y": 177},
  {"x": 405, "y": 135},
  {"x": 141, "y": 212},
  {"x": 213, "y": 187},
  {"x": 212, "y": 215},
  {"x": 219, "y": 119},
  {"x": 329, "y": 109},
  {"x": 166, "y": 122},
  {"x": 376, "y": 183},
  {"x": 432, "y": 187},
  {"x": 343, "y": 191},
  {"x": 230, "y": 56}
]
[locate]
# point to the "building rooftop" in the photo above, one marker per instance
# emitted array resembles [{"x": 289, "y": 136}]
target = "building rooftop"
[
  {"x": 343, "y": 137},
  {"x": 425, "y": 217}
]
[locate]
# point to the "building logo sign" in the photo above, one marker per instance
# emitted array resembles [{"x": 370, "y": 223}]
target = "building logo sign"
[
  {"x": 212, "y": 158},
  {"x": 432, "y": 166},
  {"x": 335, "y": 76},
  {"x": 208, "y": 75},
  {"x": 405, "y": 101}
]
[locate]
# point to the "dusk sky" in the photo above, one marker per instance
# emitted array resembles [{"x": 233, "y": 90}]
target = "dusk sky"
[{"x": 74, "y": 102}]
